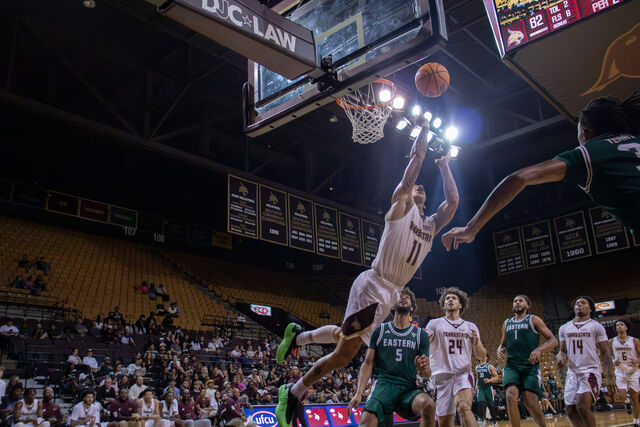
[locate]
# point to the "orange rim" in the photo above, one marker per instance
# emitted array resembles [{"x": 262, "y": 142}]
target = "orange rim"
[{"x": 383, "y": 81}]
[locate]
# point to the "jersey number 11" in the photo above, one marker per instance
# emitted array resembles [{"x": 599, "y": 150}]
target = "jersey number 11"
[{"x": 414, "y": 253}]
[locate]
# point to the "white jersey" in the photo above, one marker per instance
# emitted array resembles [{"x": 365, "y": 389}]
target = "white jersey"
[
  {"x": 28, "y": 412},
  {"x": 148, "y": 410},
  {"x": 169, "y": 411},
  {"x": 403, "y": 245},
  {"x": 79, "y": 412},
  {"x": 582, "y": 340},
  {"x": 624, "y": 354},
  {"x": 451, "y": 348}
]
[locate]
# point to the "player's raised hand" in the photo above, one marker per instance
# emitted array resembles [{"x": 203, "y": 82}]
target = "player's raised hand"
[
  {"x": 457, "y": 235},
  {"x": 422, "y": 365},
  {"x": 354, "y": 402}
]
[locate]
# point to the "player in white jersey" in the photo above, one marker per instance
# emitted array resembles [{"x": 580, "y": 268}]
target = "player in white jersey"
[
  {"x": 626, "y": 350},
  {"x": 406, "y": 240},
  {"x": 87, "y": 412},
  {"x": 28, "y": 411},
  {"x": 580, "y": 340},
  {"x": 453, "y": 342},
  {"x": 149, "y": 410}
]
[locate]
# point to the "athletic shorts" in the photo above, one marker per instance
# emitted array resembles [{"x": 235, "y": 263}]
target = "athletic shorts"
[
  {"x": 370, "y": 300},
  {"x": 524, "y": 377},
  {"x": 485, "y": 394},
  {"x": 625, "y": 381},
  {"x": 387, "y": 398},
  {"x": 447, "y": 386},
  {"x": 577, "y": 384}
]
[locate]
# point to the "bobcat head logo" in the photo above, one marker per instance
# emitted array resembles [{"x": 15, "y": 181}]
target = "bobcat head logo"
[
  {"x": 506, "y": 238},
  {"x": 356, "y": 324},
  {"x": 622, "y": 59},
  {"x": 273, "y": 199},
  {"x": 372, "y": 231},
  {"x": 535, "y": 231},
  {"x": 569, "y": 223},
  {"x": 326, "y": 216},
  {"x": 605, "y": 215},
  {"x": 300, "y": 208},
  {"x": 349, "y": 224},
  {"x": 515, "y": 37},
  {"x": 242, "y": 189}
]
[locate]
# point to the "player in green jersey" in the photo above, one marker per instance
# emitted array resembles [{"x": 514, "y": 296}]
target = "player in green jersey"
[
  {"x": 487, "y": 376},
  {"x": 606, "y": 165},
  {"x": 397, "y": 351},
  {"x": 520, "y": 337}
]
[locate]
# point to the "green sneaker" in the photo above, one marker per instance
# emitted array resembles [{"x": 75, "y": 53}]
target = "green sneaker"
[
  {"x": 287, "y": 404},
  {"x": 288, "y": 341}
]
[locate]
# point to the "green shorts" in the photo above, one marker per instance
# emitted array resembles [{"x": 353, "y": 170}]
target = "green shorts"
[
  {"x": 485, "y": 394},
  {"x": 524, "y": 377},
  {"x": 388, "y": 398}
]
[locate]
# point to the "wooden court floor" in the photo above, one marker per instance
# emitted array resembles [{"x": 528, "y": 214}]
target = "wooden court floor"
[{"x": 617, "y": 418}]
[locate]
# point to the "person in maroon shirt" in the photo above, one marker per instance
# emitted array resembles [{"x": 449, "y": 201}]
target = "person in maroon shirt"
[
  {"x": 122, "y": 411},
  {"x": 234, "y": 415},
  {"x": 187, "y": 410},
  {"x": 50, "y": 411}
]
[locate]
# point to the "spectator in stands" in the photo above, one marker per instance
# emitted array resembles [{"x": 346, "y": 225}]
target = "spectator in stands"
[
  {"x": 234, "y": 415},
  {"x": 242, "y": 321},
  {"x": 86, "y": 413},
  {"x": 235, "y": 353},
  {"x": 143, "y": 287},
  {"x": 167, "y": 322},
  {"x": 141, "y": 327},
  {"x": 187, "y": 410},
  {"x": 175, "y": 363},
  {"x": 117, "y": 316},
  {"x": 67, "y": 334},
  {"x": 14, "y": 394},
  {"x": 136, "y": 366},
  {"x": 152, "y": 292},
  {"x": 74, "y": 359},
  {"x": 169, "y": 409},
  {"x": 90, "y": 361},
  {"x": 174, "y": 310},
  {"x": 38, "y": 332},
  {"x": 25, "y": 263},
  {"x": 171, "y": 388},
  {"x": 106, "y": 393},
  {"x": 29, "y": 285},
  {"x": 66, "y": 305},
  {"x": 17, "y": 282},
  {"x": 136, "y": 389},
  {"x": 126, "y": 339},
  {"x": 27, "y": 412},
  {"x": 105, "y": 367},
  {"x": 80, "y": 328},
  {"x": 162, "y": 292},
  {"x": 50, "y": 410},
  {"x": 205, "y": 407},
  {"x": 43, "y": 265},
  {"x": 39, "y": 284},
  {"x": 122, "y": 411},
  {"x": 3, "y": 384}
]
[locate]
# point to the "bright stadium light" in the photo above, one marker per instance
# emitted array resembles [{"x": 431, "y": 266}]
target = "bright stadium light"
[
  {"x": 398, "y": 103},
  {"x": 415, "y": 132},
  {"x": 436, "y": 123},
  {"x": 416, "y": 110},
  {"x": 451, "y": 133},
  {"x": 430, "y": 136},
  {"x": 384, "y": 95},
  {"x": 427, "y": 115},
  {"x": 454, "y": 151},
  {"x": 402, "y": 124}
]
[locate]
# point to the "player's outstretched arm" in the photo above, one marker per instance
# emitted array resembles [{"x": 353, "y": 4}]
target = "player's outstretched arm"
[
  {"x": 607, "y": 363},
  {"x": 363, "y": 378},
  {"x": 548, "y": 171},
  {"x": 550, "y": 343},
  {"x": 402, "y": 200},
  {"x": 494, "y": 375},
  {"x": 447, "y": 209}
]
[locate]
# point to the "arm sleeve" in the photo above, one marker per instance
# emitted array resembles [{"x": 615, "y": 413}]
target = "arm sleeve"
[
  {"x": 578, "y": 165},
  {"x": 424, "y": 343},
  {"x": 601, "y": 334},
  {"x": 374, "y": 338}
]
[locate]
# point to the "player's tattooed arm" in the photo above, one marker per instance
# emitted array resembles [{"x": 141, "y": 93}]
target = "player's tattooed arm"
[
  {"x": 363, "y": 378},
  {"x": 550, "y": 343}
]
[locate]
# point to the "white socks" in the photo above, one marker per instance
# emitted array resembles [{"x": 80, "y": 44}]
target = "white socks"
[
  {"x": 322, "y": 335},
  {"x": 298, "y": 389}
]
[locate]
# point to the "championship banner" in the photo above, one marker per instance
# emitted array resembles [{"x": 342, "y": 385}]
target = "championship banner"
[
  {"x": 273, "y": 215},
  {"x": 62, "y": 203},
  {"x": 30, "y": 196},
  {"x": 94, "y": 211},
  {"x": 242, "y": 217},
  {"x": 221, "y": 239},
  {"x": 175, "y": 229},
  {"x": 371, "y": 233},
  {"x": 571, "y": 233},
  {"x": 538, "y": 247},
  {"x": 150, "y": 223},
  {"x": 327, "y": 240},
  {"x": 199, "y": 234},
  {"x": 350, "y": 248},
  {"x": 5, "y": 189},
  {"x": 123, "y": 217},
  {"x": 301, "y": 223},
  {"x": 508, "y": 251},
  {"x": 609, "y": 234}
]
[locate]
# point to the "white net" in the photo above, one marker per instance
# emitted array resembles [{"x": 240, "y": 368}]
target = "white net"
[{"x": 367, "y": 113}]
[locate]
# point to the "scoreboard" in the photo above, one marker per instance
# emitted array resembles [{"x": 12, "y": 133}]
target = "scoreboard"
[{"x": 518, "y": 22}]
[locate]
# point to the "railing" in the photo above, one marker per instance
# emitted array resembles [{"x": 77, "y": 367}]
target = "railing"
[{"x": 18, "y": 302}]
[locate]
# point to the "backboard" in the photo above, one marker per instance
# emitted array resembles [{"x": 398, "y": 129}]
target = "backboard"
[{"x": 357, "y": 41}]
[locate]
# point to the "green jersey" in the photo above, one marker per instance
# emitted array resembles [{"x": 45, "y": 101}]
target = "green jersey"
[
  {"x": 522, "y": 339},
  {"x": 484, "y": 373},
  {"x": 607, "y": 168},
  {"x": 396, "y": 351}
]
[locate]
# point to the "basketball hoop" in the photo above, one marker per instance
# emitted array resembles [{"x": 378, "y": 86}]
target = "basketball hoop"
[{"x": 367, "y": 113}]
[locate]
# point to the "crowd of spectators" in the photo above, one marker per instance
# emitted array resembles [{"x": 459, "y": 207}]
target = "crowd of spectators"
[{"x": 26, "y": 281}]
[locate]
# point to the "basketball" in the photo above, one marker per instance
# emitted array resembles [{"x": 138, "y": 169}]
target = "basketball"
[{"x": 432, "y": 79}]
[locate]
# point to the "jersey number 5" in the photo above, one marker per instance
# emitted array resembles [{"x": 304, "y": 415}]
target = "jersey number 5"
[
  {"x": 398, "y": 355},
  {"x": 415, "y": 251}
]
